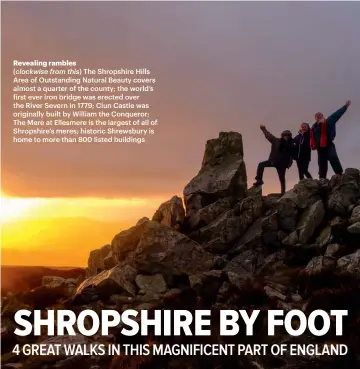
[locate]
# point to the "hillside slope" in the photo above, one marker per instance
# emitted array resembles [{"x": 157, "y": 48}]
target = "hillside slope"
[{"x": 229, "y": 248}]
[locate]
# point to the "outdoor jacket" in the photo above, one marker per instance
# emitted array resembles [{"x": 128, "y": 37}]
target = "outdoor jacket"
[
  {"x": 281, "y": 150},
  {"x": 302, "y": 149},
  {"x": 327, "y": 129}
]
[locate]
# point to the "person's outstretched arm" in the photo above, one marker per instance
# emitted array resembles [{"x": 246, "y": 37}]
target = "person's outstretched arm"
[
  {"x": 271, "y": 138},
  {"x": 334, "y": 117}
]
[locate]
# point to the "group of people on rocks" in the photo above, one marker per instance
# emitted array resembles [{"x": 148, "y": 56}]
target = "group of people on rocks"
[{"x": 286, "y": 149}]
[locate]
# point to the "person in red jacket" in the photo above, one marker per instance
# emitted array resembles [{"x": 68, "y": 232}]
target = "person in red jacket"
[{"x": 323, "y": 133}]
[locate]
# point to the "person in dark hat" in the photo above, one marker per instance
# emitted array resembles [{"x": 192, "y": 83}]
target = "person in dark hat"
[
  {"x": 302, "y": 151},
  {"x": 322, "y": 135},
  {"x": 280, "y": 157}
]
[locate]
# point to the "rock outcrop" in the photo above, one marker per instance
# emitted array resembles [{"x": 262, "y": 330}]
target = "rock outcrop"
[
  {"x": 222, "y": 173},
  {"x": 96, "y": 262},
  {"x": 119, "y": 279},
  {"x": 233, "y": 249},
  {"x": 163, "y": 250},
  {"x": 171, "y": 213},
  {"x": 344, "y": 192},
  {"x": 350, "y": 264},
  {"x": 67, "y": 286}
]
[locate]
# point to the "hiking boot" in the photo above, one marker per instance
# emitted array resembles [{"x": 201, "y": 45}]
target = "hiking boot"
[
  {"x": 258, "y": 183},
  {"x": 324, "y": 182}
]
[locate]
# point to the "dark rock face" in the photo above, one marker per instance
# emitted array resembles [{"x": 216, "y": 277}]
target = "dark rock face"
[
  {"x": 209, "y": 213},
  {"x": 96, "y": 260},
  {"x": 233, "y": 224},
  {"x": 320, "y": 265},
  {"x": 163, "y": 250},
  {"x": 344, "y": 191},
  {"x": 171, "y": 213},
  {"x": 222, "y": 174},
  {"x": 151, "y": 283},
  {"x": 124, "y": 243},
  {"x": 119, "y": 279},
  {"x": 234, "y": 249},
  {"x": 311, "y": 218},
  {"x": 355, "y": 215},
  {"x": 350, "y": 264}
]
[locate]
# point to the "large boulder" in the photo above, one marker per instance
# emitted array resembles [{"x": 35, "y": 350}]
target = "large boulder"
[
  {"x": 303, "y": 195},
  {"x": 96, "y": 260},
  {"x": 355, "y": 215},
  {"x": 207, "y": 284},
  {"x": 118, "y": 280},
  {"x": 287, "y": 211},
  {"x": 344, "y": 191},
  {"x": 350, "y": 264},
  {"x": 335, "y": 250},
  {"x": 222, "y": 174},
  {"x": 171, "y": 213},
  {"x": 250, "y": 240},
  {"x": 270, "y": 227},
  {"x": 233, "y": 224},
  {"x": 253, "y": 236},
  {"x": 354, "y": 228},
  {"x": 124, "y": 243},
  {"x": 206, "y": 215},
  {"x": 154, "y": 248},
  {"x": 52, "y": 281},
  {"x": 292, "y": 239},
  {"x": 151, "y": 283},
  {"x": 247, "y": 263},
  {"x": 311, "y": 218},
  {"x": 163, "y": 250},
  {"x": 110, "y": 261},
  {"x": 225, "y": 228},
  {"x": 270, "y": 222},
  {"x": 324, "y": 236},
  {"x": 66, "y": 286},
  {"x": 319, "y": 265},
  {"x": 307, "y": 192}
]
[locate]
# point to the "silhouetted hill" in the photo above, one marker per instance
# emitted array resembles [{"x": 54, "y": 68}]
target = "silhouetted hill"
[{"x": 21, "y": 278}]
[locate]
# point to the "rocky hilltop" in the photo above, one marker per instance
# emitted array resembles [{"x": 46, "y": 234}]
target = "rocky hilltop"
[{"x": 223, "y": 246}]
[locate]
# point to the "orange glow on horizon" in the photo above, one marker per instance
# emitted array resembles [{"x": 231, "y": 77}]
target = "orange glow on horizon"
[{"x": 62, "y": 231}]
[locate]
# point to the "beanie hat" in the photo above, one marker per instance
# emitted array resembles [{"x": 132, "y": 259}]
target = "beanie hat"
[{"x": 286, "y": 133}]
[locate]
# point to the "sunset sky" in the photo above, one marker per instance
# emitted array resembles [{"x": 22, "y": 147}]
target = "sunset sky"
[{"x": 219, "y": 66}]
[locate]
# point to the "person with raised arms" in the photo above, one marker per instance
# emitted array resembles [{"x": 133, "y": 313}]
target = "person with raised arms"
[
  {"x": 322, "y": 135},
  {"x": 280, "y": 157}
]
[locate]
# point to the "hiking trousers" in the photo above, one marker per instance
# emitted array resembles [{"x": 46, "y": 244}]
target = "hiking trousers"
[
  {"x": 325, "y": 155},
  {"x": 281, "y": 170},
  {"x": 303, "y": 168}
]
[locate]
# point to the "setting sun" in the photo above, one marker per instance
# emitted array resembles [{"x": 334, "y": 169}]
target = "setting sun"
[
  {"x": 13, "y": 208},
  {"x": 62, "y": 231}
]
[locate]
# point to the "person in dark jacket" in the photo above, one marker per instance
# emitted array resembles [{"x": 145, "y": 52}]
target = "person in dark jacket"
[
  {"x": 322, "y": 136},
  {"x": 280, "y": 157},
  {"x": 302, "y": 151}
]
